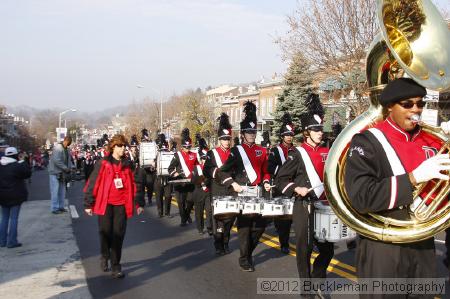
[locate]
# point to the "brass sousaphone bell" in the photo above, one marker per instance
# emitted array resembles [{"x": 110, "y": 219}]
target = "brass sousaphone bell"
[{"x": 414, "y": 41}]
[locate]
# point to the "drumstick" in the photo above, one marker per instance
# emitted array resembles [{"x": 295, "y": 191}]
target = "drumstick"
[{"x": 312, "y": 188}]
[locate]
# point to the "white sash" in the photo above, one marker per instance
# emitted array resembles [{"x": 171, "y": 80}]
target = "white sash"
[
  {"x": 311, "y": 172},
  {"x": 217, "y": 157},
  {"x": 394, "y": 162},
  {"x": 280, "y": 151},
  {"x": 186, "y": 171},
  {"x": 199, "y": 170},
  {"x": 251, "y": 173}
]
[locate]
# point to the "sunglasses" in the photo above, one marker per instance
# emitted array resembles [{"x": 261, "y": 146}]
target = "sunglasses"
[
  {"x": 120, "y": 145},
  {"x": 409, "y": 104}
]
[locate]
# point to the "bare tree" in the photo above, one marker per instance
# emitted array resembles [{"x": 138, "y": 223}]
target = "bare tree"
[
  {"x": 334, "y": 36},
  {"x": 198, "y": 115}
]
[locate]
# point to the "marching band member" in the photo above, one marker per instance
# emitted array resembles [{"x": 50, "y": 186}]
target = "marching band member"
[
  {"x": 181, "y": 167},
  {"x": 247, "y": 166},
  {"x": 163, "y": 188},
  {"x": 214, "y": 160},
  {"x": 278, "y": 155},
  {"x": 303, "y": 170},
  {"x": 149, "y": 173},
  {"x": 201, "y": 193},
  {"x": 88, "y": 163},
  {"x": 378, "y": 182}
]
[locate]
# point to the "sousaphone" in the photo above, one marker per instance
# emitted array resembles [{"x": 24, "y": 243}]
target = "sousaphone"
[{"x": 414, "y": 41}]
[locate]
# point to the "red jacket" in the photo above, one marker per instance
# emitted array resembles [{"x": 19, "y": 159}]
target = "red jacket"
[{"x": 97, "y": 191}]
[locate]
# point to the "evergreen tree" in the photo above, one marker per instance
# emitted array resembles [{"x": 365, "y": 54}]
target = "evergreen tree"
[{"x": 292, "y": 100}]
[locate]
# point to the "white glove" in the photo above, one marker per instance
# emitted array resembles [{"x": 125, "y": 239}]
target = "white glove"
[
  {"x": 445, "y": 126},
  {"x": 431, "y": 169}
]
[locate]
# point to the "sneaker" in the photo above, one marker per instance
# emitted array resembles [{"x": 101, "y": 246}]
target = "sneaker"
[
  {"x": 226, "y": 249},
  {"x": 160, "y": 215},
  {"x": 201, "y": 232},
  {"x": 189, "y": 220},
  {"x": 62, "y": 210},
  {"x": 183, "y": 224},
  {"x": 118, "y": 274},
  {"x": 210, "y": 232},
  {"x": 220, "y": 252},
  {"x": 56, "y": 212},
  {"x": 15, "y": 245},
  {"x": 169, "y": 216}
]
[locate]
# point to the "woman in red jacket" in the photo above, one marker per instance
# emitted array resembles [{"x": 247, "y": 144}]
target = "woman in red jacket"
[{"x": 110, "y": 193}]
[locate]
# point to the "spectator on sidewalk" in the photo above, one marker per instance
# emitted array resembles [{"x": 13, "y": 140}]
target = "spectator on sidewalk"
[
  {"x": 13, "y": 192},
  {"x": 110, "y": 193},
  {"x": 59, "y": 170}
]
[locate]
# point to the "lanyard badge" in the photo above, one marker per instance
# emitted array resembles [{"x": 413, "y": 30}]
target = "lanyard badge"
[{"x": 118, "y": 181}]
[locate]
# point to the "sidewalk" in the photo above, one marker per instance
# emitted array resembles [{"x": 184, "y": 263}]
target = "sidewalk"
[{"x": 48, "y": 265}]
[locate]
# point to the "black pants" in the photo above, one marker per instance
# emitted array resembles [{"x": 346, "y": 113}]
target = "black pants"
[
  {"x": 222, "y": 231},
  {"x": 447, "y": 245},
  {"x": 201, "y": 199},
  {"x": 185, "y": 204},
  {"x": 250, "y": 229},
  {"x": 376, "y": 259},
  {"x": 163, "y": 195},
  {"x": 112, "y": 227},
  {"x": 149, "y": 183},
  {"x": 283, "y": 227},
  {"x": 303, "y": 221}
]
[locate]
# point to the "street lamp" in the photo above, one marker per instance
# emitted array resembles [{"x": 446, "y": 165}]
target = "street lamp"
[
  {"x": 161, "y": 104},
  {"x": 65, "y": 111}
]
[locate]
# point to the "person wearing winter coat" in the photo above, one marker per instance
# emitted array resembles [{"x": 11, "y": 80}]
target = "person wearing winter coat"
[{"x": 13, "y": 193}]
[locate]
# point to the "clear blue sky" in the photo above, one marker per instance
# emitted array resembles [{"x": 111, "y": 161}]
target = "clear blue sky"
[{"x": 89, "y": 54}]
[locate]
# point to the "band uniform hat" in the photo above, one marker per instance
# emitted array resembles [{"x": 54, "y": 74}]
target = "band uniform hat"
[
  {"x": 249, "y": 123},
  {"x": 287, "y": 126},
  {"x": 313, "y": 119},
  {"x": 134, "y": 141},
  {"x": 401, "y": 89},
  {"x": 186, "y": 140},
  {"x": 202, "y": 148},
  {"x": 145, "y": 136},
  {"x": 225, "y": 127},
  {"x": 11, "y": 151}
]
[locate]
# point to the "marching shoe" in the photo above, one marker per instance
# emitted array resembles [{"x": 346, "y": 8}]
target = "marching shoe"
[
  {"x": 247, "y": 268},
  {"x": 285, "y": 250},
  {"x": 104, "y": 265},
  {"x": 118, "y": 274}
]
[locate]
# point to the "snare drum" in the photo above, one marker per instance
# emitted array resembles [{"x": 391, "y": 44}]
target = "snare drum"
[
  {"x": 328, "y": 227},
  {"x": 251, "y": 206},
  {"x": 147, "y": 154},
  {"x": 225, "y": 207},
  {"x": 163, "y": 162},
  {"x": 180, "y": 182},
  {"x": 272, "y": 208}
]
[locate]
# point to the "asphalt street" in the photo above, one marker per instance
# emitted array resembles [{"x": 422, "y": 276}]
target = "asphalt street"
[{"x": 163, "y": 260}]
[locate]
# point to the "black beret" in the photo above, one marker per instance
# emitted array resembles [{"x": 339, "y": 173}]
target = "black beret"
[{"x": 401, "y": 89}]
